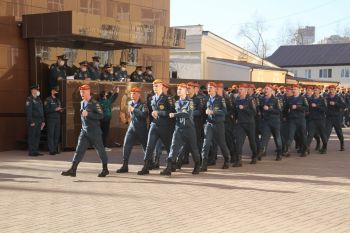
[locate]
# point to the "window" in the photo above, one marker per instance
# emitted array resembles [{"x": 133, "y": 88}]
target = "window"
[
  {"x": 118, "y": 10},
  {"x": 325, "y": 73},
  {"x": 90, "y": 6},
  {"x": 307, "y": 73},
  {"x": 151, "y": 16},
  {"x": 345, "y": 73},
  {"x": 55, "y": 5}
]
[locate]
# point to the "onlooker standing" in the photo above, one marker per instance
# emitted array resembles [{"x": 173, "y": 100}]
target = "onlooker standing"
[
  {"x": 35, "y": 120},
  {"x": 106, "y": 101},
  {"x": 53, "y": 109}
]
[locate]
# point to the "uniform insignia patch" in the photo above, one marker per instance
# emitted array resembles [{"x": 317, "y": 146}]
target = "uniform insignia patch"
[
  {"x": 27, "y": 103},
  {"x": 161, "y": 107}
]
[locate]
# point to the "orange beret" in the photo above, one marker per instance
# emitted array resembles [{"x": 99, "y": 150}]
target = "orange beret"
[
  {"x": 158, "y": 81},
  {"x": 288, "y": 88},
  {"x": 295, "y": 85},
  {"x": 320, "y": 87},
  {"x": 135, "y": 89},
  {"x": 332, "y": 86},
  {"x": 183, "y": 85},
  {"x": 192, "y": 84},
  {"x": 84, "y": 87},
  {"x": 166, "y": 85},
  {"x": 251, "y": 85},
  {"x": 309, "y": 87},
  {"x": 211, "y": 84},
  {"x": 220, "y": 84},
  {"x": 243, "y": 85}
]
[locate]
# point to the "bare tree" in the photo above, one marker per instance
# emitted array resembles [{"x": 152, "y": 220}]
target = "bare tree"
[{"x": 254, "y": 33}]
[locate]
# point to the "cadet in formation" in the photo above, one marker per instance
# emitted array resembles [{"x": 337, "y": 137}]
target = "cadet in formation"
[
  {"x": 90, "y": 134},
  {"x": 184, "y": 132},
  {"x": 137, "y": 130}
]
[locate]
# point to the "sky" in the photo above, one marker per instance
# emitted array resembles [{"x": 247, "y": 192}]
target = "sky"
[{"x": 226, "y": 17}]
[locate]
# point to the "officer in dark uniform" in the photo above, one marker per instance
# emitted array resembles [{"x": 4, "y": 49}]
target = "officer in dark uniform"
[
  {"x": 57, "y": 71},
  {"x": 271, "y": 110},
  {"x": 214, "y": 129},
  {"x": 94, "y": 68},
  {"x": 82, "y": 73},
  {"x": 108, "y": 74},
  {"x": 335, "y": 106},
  {"x": 35, "y": 120},
  {"x": 245, "y": 111},
  {"x": 161, "y": 105},
  {"x": 148, "y": 75},
  {"x": 90, "y": 134},
  {"x": 317, "y": 118},
  {"x": 296, "y": 108},
  {"x": 251, "y": 92},
  {"x": 137, "y": 129},
  {"x": 53, "y": 110},
  {"x": 137, "y": 75},
  {"x": 122, "y": 74},
  {"x": 184, "y": 131}
]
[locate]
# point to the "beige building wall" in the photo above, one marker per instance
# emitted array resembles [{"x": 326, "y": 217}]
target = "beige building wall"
[
  {"x": 224, "y": 71},
  {"x": 268, "y": 76},
  {"x": 315, "y": 73}
]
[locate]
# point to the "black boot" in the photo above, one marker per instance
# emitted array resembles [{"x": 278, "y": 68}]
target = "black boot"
[
  {"x": 173, "y": 167},
  {"x": 226, "y": 165},
  {"x": 279, "y": 156},
  {"x": 303, "y": 153},
  {"x": 197, "y": 168},
  {"x": 151, "y": 165},
  {"x": 254, "y": 160},
  {"x": 286, "y": 152},
  {"x": 204, "y": 167},
  {"x": 167, "y": 170},
  {"x": 104, "y": 171},
  {"x": 342, "y": 148},
  {"x": 324, "y": 149},
  {"x": 261, "y": 154},
  {"x": 238, "y": 162},
  {"x": 124, "y": 168},
  {"x": 145, "y": 169},
  {"x": 71, "y": 171}
]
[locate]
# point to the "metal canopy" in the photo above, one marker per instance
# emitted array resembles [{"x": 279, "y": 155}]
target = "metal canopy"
[{"x": 85, "y": 31}]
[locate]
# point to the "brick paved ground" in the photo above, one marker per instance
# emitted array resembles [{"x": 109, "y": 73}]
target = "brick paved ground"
[{"x": 295, "y": 195}]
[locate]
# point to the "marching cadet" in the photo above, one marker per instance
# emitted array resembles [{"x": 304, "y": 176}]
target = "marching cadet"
[
  {"x": 57, "y": 71},
  {"x": 229, "y": 119},
  {"x": 108, "y": 74},
  {"x": 296, "y": 107},
  {"x": 137, "y": 129},
  {"x": 245, "y": 112},
  {"x": 284, "y": 122},
  {"x": 198, "y": 123},
  {"x": 271, "y": 109},
  {"x": 90, "y": 134},
  {"x": 53, "y": 110},
  {"x": 317, "y": 118},
  {"x": 161, "y": 105},
  {"x": 251, "y": 92},
  {"x": 214, "y": 130},
  {"x": 122, "y": 74},
  {"x": 347, "y": 112},
  {"x": 94, "y": 68},
  {"x": 159, "y": 146},
  {"x": 308, "y": 95},
  {"x": 335, "y": 106},
  {"x": 184, "y": 131},
  {"x": 148, "y": 75},
  {"x": 35, "y": 120},
  {"x": 137, "y": 75},
  {"x": 82, "y": 73}
]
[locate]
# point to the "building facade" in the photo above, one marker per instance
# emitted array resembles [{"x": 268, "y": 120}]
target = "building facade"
[
  {"x": 210, "y": 57},
  {"x": 16, "y": 53},
  {"x": 319, "y": 62}
]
